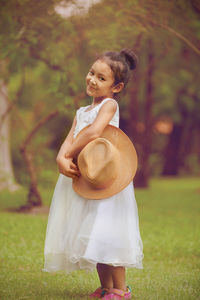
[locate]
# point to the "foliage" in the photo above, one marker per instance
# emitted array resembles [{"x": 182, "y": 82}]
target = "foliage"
[{"x": 48, "y": 56}]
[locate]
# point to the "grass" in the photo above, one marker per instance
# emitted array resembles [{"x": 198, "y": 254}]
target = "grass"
[{"x": 169, "y": 225}]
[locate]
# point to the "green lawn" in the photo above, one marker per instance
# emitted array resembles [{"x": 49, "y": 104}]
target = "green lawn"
[{"x": 170, "y": 228}]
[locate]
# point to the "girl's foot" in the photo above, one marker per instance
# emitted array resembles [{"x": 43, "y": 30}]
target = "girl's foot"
[
  {"x": 117, "y": 294},
  {"x": 99, "y": 293}
]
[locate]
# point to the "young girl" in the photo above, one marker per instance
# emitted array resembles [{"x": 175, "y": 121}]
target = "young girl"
[{"x": 76, "y": 235}]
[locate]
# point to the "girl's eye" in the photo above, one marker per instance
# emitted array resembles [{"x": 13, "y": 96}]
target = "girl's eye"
[
  {"x": 91, "y": 72},
  {"x": 101, "y": 78}
]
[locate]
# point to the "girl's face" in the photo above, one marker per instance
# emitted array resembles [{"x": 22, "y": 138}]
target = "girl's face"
[{"x": 100, "y": 81}]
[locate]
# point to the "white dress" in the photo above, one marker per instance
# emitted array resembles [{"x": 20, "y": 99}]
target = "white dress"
[{"x": 81, "y": 233}]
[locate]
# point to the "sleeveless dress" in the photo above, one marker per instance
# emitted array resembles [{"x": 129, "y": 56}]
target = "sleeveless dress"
[{"x": 81, "y": 233}]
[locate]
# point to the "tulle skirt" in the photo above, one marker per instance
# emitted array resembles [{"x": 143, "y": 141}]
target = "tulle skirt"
[{"x": 81, "y": 233}]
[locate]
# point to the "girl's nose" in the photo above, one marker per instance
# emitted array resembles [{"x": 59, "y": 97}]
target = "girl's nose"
[{"x": 92, "y": 80}]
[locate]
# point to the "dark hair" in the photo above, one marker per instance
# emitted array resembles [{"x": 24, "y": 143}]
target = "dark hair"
[{"x": 121, "y": 63}]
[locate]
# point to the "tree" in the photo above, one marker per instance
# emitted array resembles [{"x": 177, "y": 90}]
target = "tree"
[
  {"x": 31, "y": 33},
  {"x": 170, "y": 27},
  {"x": 56, "y": 53},
  {"x": 6, "y": 170}
]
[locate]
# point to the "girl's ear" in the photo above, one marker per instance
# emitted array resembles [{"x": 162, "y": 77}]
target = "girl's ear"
[{"x": 118, "y": 87}]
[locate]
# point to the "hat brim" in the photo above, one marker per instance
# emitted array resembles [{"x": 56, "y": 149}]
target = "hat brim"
[{"x": 127, "y": 168}]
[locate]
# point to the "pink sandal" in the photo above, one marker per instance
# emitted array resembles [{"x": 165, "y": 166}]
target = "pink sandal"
[
  {"x": 117, "y": 294},
  {"x": 99, "y": 292}
]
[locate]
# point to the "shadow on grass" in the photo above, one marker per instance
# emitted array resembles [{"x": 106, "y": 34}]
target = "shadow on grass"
[{"x": 35, "y": 210}]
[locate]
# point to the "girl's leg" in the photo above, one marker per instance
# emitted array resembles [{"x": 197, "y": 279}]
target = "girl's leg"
[
  {"x": 112, "y": 277},
  {"x": 105, "y": 275},
  {"x": 118, "y": 277}
]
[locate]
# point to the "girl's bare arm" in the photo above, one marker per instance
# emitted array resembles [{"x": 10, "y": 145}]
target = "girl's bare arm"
[
  {"x": 67, "y": 142},
  {"x": 65, "y": 165},
  {"x": 104, "y": 116}
]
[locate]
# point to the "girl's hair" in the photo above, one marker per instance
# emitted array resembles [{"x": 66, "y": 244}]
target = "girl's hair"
[{"x": 121, "y": 63}]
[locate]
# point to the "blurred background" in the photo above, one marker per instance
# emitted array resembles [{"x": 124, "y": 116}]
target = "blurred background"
[{"x": 46, "y": 49}]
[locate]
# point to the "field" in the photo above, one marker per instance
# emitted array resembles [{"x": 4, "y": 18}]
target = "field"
[{"x": 169, "y": 213}]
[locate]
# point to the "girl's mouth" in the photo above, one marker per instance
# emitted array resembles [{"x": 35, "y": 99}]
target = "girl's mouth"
[{"x": 91, "y": 87}]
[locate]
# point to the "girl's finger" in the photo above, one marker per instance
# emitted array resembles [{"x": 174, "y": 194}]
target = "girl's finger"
[
  {"x": 73, "y": 166},
  {"x": 71, "y": 175},
  {"x": 74, "y": 172},
  {"x": 74, "y": 177}
]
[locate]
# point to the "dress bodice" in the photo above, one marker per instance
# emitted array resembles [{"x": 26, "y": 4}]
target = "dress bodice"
[{"x": 84, "y": 117}]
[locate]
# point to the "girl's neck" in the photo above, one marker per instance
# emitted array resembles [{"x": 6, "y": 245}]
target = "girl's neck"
[{"x": 98, "y": 100}]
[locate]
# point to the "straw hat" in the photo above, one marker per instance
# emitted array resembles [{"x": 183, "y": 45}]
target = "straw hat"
[{"x": 107, "y": 165}]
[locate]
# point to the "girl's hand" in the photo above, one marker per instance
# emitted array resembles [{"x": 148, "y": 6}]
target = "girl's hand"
[{"x": 67, "y": 167}]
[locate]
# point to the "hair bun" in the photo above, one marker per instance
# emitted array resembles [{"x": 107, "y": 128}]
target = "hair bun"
[{"x": 130, "y": 57}]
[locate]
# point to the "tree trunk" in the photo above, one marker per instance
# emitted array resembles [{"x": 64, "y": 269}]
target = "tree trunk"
[
  {"x": 7, "y": 180},
  {"x": 171, "y": 164},
  {"x": 180, "y": 139},
  {"x": 145, "y": 137},
  {"x": 133, "y": 121},
  {"x": 34, "y": 197}
]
